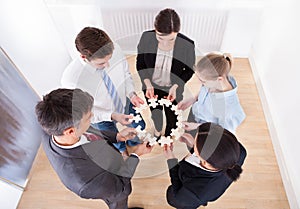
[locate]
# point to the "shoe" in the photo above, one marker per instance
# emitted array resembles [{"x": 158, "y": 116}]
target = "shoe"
[
  {"x": 158, "y": 138},
  {"x": 136, "y": 208}
]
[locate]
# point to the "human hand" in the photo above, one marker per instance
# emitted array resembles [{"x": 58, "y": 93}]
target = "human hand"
[
  {"x": 139, "y": 149},
  {"x": 188, "y": 126},
  {"x": 188, "y": 139},
  {"x": 150, "y": 92},
  {"x": 126, "y": 133},
  {"x": 136, "y": 101},
  {"x": 149, "y": 89},
  {"x": 172, "y": 93},
  {"x": 121, "y": 118},
  {"x": 184, "y": 104},
  {"x": 168, "y": 151}
]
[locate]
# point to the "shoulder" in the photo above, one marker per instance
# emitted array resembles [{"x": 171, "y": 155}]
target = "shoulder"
[
  {"x": 71, "y": 73},
  {"x": 185, "y": 38},
  {"x": 148, "y": 35}
]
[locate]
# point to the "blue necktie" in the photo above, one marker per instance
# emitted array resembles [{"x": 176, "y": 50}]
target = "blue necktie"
[{"x": 113, "y": 92}]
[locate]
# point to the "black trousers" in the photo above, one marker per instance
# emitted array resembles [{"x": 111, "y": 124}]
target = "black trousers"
[{"x": 157, "y": 113}]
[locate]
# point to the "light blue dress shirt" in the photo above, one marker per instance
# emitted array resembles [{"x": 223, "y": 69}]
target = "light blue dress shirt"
[{"x": 222, "y": 108}]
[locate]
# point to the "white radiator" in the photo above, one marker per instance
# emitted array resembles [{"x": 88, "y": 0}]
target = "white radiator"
[{"x": 205, "y": 27}]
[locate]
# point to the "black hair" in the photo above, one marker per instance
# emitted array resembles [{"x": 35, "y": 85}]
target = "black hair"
[
  {"x": 167, "y": 21},
  {"x": 219, "y": 148}
]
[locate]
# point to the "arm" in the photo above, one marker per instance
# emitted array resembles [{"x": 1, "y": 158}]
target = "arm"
[
  {"x": 149, "y": 89},
  {"x": 189, "y": 62},
  {"x": 141, "y": 66},
  {"x": 129, "y": 86},
  {"x": 106, "y": 135},
  {"x": 140, "y": 61},
  {"x": 107, "y": 185},
  {"x": 179, "y": 192},
  {"x": 173, "y": 167},
  {"x": 173, "y": 172},
  {"x": 186, "y": 103}
]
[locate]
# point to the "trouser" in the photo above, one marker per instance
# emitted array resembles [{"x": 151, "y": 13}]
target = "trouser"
[
  {"x": 121, "y": 204},
  {"x": 111, "y": 126},
  {"x": 157, "y": 113}
]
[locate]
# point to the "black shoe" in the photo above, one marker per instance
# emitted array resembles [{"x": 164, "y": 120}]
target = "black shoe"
[
  {"x": 136, "y": 208},
  {"x": 158, "y": 138}
]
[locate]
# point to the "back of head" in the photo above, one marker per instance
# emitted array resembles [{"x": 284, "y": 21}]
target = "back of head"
[
  {"x": 62, "y": 109},
  {"x": 167, "y": 21},
  {"x": 214, "y": 65},
  {"x": 219, "y": 148},
  {"x": 94, "y": 43}
]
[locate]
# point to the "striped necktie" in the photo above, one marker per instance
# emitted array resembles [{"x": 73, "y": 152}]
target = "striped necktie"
[{"x": 113, "y": 92}]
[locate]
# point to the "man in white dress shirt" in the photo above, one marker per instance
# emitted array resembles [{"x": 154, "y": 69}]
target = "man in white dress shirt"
[{"x": 97, "y": 54}]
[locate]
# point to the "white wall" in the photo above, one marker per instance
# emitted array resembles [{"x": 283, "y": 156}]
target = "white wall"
[
  {"x": 70, "y": 17},
  {"x": 30, "y": 38},
  {"x": 241, "y": 27},
  {"x": 275, "y": 61}
]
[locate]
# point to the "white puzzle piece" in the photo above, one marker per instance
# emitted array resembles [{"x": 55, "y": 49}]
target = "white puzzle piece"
[
  {"x": 165, "y": 102},
  {"x": 153, "y": 102},
  {"x": 177, "y": 133},
  {"x": 165, "y": 140},
  {"x": 141, "y": 108}
]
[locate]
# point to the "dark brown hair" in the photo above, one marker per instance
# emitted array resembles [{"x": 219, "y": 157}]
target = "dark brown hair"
[
  {"x": 62, "y": 109},
  {"x": 219, "y": 148},
  {"x": 214, "y": 65},
  {"x": 167, "y": 21},
  {"x": 94, "y": 43}
]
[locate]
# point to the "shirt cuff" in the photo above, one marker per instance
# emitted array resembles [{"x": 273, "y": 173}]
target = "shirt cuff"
[
  {"x": 132, "y": 94},
  {"x": 134, "y": 154}
]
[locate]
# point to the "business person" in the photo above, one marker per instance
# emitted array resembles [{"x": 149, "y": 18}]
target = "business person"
[
  {"x": 215, "y": 161},
  {"x": 102, "y": 70},
  {"x": 86, "y": 161},
  {"x": 165, "y": 63}
]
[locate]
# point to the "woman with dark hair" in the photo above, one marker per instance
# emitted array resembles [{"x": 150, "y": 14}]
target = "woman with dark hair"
[
  {"x": 214, "y": 162},
  {"x": 165, "y": 63}
]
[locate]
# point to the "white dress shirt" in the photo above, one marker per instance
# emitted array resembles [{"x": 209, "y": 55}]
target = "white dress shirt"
[
  {"x": 82, "y": 140},
  {"x": 80, "y": 74},
  {"x": 162, "y": 71}
]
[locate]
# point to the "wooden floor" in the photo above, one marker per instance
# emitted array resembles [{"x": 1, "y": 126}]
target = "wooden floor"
[{"x": 260, "y": 186}]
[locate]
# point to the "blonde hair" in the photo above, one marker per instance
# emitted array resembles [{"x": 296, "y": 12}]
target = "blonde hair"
[{"x": 214, "y": 65}]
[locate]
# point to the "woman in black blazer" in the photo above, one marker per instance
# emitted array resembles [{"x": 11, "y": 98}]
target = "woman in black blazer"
[
  {"x": 214, "y": 162},
  {"x": 165, "y": 63}
]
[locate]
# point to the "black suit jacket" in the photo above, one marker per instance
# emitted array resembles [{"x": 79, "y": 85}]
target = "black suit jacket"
[
  {"x": 182, "y": 63},
  {"x": 93, "y": 170},
  {"x": 192, "y": 186}
]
